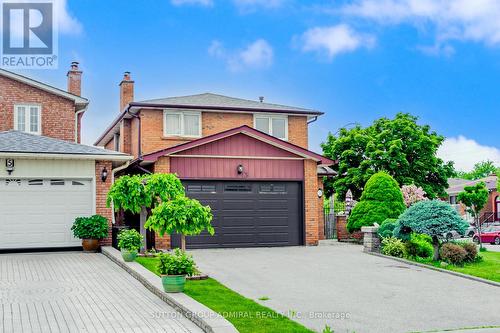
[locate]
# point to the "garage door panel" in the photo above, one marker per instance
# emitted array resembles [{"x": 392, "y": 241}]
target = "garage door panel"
[
  {"x": 36, "y": 213},
  {"x": 248, "y": 214}
]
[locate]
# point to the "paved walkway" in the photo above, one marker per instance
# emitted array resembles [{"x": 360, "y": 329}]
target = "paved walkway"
[
  {"x": 352, "y": 291},
  {"x": 77, "y": 292}
]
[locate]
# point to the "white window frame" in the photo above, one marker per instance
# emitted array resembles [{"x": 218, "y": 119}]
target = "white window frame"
[
  {"x": 27, "y": 117},
  {"x": 182, "y": 114},
  {"x": 270, "y": 118}
]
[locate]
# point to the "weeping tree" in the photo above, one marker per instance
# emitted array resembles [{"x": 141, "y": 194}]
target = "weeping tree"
[
  {"x": 434, "y": 218},
  {"x": 138, "y": 193},
  {"x": 181, "y": 215}
]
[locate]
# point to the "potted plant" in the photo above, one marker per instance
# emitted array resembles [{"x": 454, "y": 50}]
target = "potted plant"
[
  {"x": 90, "y": 230},
  {"x": 129, "y": 242},
  {"x": 173, "y": 268}
]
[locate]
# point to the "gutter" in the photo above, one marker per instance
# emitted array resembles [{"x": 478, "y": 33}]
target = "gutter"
[
  {"x": 313, "y": 120},
  {"x": 62, "y": 156}
]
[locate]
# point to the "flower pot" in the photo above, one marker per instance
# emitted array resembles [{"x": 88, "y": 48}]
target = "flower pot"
[
  {"x": 90, "y": 245},
  {"x": 173, "y": 283},
  {"x": 128, "y": 255}
]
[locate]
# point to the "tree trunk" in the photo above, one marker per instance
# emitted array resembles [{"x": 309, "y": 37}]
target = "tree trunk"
[
  {"x": 183, "y": 242},
  {"x": 143, "y": 218},
  {"x": 478, "y": 225},
  {"x": 435, "y": 244}
]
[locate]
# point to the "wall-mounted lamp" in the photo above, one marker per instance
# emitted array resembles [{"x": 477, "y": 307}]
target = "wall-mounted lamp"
[
  {"x": 104, "y": 174},
  {"x": 320, "y": 193},
  {"x": 239, "y": 169},
  {"x": 9, "y": 165}
]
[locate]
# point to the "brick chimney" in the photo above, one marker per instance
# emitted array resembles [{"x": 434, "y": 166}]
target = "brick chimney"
[
  {"x": 74, "y": 79},
  {"x": 126, "y": 91}
]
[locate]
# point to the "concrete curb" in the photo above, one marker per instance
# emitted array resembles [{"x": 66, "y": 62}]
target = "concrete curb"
[
  {"x": 208, "y": 320},
  {"x": 409, "y": 262}
]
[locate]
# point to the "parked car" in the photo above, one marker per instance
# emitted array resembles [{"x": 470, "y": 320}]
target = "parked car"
[
  {"x": 455, "y": 235},
  {"x": 470, "y": 231},
  {"x": 488, "y": 235}
]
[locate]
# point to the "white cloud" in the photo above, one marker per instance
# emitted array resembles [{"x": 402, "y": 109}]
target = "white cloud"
[
  {"x": 258, "y": 54},
  {"x": 334, "y": 40},
  {"x": 467, "y": 152},
  {"x": 463, "y": 20},
  {"x": 68, "y": 24},
  {"x": 206, "y": 3}
]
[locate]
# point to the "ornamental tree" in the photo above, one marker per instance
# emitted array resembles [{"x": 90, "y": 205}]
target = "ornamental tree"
[
  {"x": 181, "y": 215},
  {"x": 138, "y": 193},
  {"x": 381, "y": 200},
  {"x": 404, "y": 149},
  {"x": 412, "y": 193},
  {"x": 431, "y": 217},
  {"x": 475, "y": 198}
]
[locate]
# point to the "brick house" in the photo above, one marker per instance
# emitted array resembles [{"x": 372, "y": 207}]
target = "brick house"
[
  {"x": 491, "y": 211},
  {"x": 248, "y": 160},
  {"x": 47, "y": 178}
]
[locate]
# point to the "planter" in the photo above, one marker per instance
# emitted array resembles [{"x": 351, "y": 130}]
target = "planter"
[
  {"x": 128, "y": 255},
  {"x": 173, "y": 283},
  {"x": 90, "y": 245}
]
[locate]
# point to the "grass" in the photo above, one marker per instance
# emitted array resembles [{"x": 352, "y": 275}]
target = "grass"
[
  {"x": 488, "y": 268},
  {"x": 245, "y": 314}
]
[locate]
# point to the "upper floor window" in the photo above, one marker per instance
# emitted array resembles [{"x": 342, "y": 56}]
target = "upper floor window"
[
  {"x": 27, "y": 118},
  {"x": 275, "y": 125},
  {"x": 182, "y": 123}
]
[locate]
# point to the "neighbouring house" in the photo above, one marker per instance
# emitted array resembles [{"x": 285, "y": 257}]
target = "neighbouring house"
[
  {"x": 47, "y": 178},
  {"x": 248, "y": 160},
  {"x": 491, "y": 212}
]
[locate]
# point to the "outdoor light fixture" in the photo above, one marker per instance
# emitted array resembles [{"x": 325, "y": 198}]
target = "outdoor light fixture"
[
  {"x": 9, "y": 165},
  {"x": 320, "y": 193},
  {"x": 239, "y": 169},
  {"x": 104, "y": 174}
]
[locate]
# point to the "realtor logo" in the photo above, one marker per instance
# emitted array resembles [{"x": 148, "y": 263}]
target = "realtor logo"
[{"x": 29, "y": 38}]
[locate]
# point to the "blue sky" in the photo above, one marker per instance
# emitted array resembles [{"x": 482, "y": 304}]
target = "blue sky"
[{"x": 354, "y": 60}]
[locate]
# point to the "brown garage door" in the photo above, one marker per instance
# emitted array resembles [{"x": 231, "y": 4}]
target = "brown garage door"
[{"x": 248, "y": 214}]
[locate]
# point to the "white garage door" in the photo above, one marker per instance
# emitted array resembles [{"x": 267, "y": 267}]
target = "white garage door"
[{"x": 38, "y": 213}]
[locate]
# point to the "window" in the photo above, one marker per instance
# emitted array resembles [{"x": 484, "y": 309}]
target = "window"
[
  {"x": 35, "y": 182},
  {"x": 177, "y": 123},
  {"x": 27, "y": 118},
  {"x": 57, "y": 182},
  {"x": 273, "y": 125},
  {"x": 238, "y": 188}
]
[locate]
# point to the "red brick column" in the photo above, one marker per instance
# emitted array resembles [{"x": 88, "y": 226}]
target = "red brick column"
[
  {"x": 311, "y": 202},
  {"x": 343, "y": 235},
  {"x": 101, "y": 189},
  {"x": 162, "y": 166},
  {"x": 321, "y": 212}
]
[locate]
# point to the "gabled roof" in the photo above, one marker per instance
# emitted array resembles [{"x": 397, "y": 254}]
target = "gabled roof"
[
  {"x": 207, "y": 102},
  {"x": 210, "y": 100},
  {"x": 307, "y": 154},
  {"x": 14, "y": 143},
  {"x": 457, "y": 185},
  {"x": 79, "y": 101}
]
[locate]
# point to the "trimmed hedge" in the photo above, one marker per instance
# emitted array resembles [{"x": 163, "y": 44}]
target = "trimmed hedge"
[
  {"x": 386, "y": 228},
  {"x": 381, "y": 199}
]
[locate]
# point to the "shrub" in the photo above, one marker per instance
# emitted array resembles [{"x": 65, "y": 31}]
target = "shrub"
[
  {"x": 433, "y": 218},
  {"x": 130, "y": 240},
  {"x": 93, "y": 227},
  {"x": 453, "y": 253},
  {"x": 381, "y": 199},
  {"x": 387, "y": 227},
  {"x": 419, "y": 245},
  {"x": 177, "y": 262},
  {"x": 394, "y": 247},
  {"x": 412, "y": 194},
  {"x": 471, "y": 250}
]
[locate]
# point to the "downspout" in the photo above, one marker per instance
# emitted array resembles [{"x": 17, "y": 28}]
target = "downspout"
[
  {"x": 77, "y": 113},
  {"x": 313, "y": 120},
  {"x": 115, "y": 170}
]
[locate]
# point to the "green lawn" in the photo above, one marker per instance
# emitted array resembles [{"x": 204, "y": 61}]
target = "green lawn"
[
  {"x": 245, "y": 314},
  {"x": 488, "y": 268}
]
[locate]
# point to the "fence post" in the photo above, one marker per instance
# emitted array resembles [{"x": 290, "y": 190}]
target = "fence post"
[{"x": 371, "y": 240}]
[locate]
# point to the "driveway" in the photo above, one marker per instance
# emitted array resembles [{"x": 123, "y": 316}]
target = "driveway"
[
  {"x": 371, "y": 294},
  {"x": 77, "y": 292}
]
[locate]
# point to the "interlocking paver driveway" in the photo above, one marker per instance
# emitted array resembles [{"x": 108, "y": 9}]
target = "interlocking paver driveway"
[{"x": 78, "y": 292}]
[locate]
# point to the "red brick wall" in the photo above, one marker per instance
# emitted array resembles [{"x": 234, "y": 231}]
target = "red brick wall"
[
  {"x": 343, "y": 235},
  {"x": 297, "y": 131},
  {"x": 58, "y": 113},
  {"x": 125, "y": 136},
  {"x": 102, "y": 189},
  {"x": 162, "y": 166},
  {"x": 311, "y": 202}
]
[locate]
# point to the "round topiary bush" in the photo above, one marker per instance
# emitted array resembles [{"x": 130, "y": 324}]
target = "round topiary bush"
[
  {"x": 433, "y": 218},
  {"x": 381, "y": 199},
  {"x": 386, "y": 228}
]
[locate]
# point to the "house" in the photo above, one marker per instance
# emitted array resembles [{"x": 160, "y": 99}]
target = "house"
[
  {"x": 491, "y": 211},
  {"x": 248, "y": 160},
  {"x": 47, "y": 178}
]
